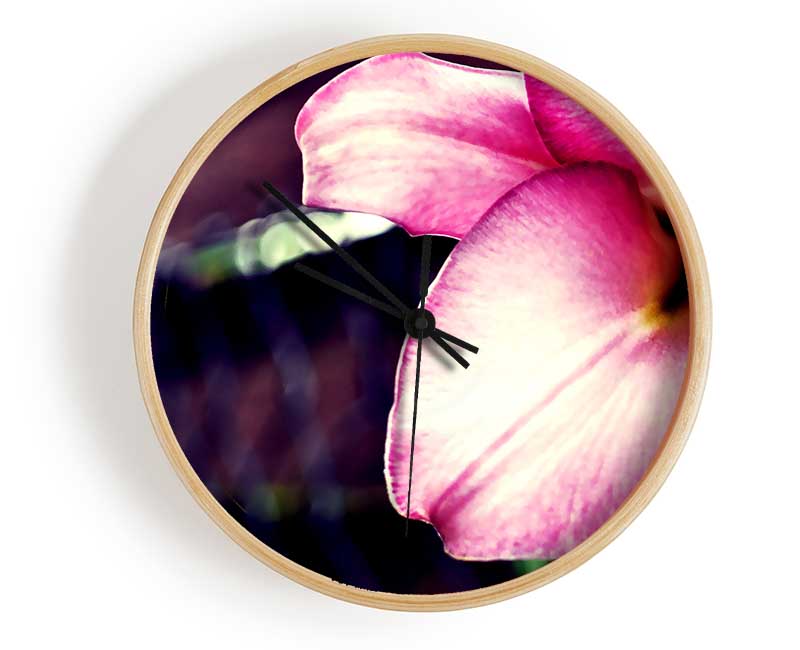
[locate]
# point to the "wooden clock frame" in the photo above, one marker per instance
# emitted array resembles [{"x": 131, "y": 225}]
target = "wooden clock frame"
[{"x": 696, "y": 276}]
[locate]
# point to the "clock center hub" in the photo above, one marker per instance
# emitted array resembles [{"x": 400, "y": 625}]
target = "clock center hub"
[{"x": 420, "y": 323}]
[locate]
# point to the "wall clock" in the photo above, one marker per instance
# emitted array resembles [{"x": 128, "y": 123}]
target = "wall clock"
[{"x": 422, "y": 322}]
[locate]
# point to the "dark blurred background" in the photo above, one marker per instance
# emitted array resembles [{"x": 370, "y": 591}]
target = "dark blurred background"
[{"x": 278, "y": 388}]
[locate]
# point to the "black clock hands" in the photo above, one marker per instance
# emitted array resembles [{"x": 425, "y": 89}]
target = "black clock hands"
[
  {"x": 353, "y": 293},
  {"x": 421, "y": 322},
  {"x": 425, "y": 270},
  {"x": 437, "y": 335},
  {"x": 341, "y": 252},
  {"x": 378, "y": 304}
]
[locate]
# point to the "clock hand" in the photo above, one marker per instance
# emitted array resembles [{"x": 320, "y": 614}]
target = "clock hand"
[
  {"x": 413, "y": 431},
  {"x": 437, "y": 333},
  {"x": 356, "y": 266},
  {"x": 378, "y": 304},
  {"x": 425, "y": 270},
  {"x": 439, "y": 340},
  {"x": 353, "y": 293},
  {"x": 341, "y": 252},
  {"x": 424, "y": 280}
]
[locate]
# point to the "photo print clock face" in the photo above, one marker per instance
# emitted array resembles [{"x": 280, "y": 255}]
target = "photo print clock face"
[{"x": 422, "y": 322}]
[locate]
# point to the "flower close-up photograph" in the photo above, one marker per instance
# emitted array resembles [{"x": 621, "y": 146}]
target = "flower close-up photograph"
[
  {"x": 293, "y": 400},
  {"x": 403, "y": 327}
]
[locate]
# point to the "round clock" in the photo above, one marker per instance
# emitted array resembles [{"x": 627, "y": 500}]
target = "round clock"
[{"x": 422, "y": 322}]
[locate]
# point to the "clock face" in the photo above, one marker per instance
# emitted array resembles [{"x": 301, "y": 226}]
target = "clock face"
[{"x": 394, "y": 447}]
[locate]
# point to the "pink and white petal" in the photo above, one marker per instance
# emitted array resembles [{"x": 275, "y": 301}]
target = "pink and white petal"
[
  {"x": 573, "y": 134},
  {"x": 428, "y": 144},
  {"x": 530, "y": 450}
]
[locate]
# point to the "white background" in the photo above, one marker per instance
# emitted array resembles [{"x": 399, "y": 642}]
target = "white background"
[{"x": 103, "y": 547}]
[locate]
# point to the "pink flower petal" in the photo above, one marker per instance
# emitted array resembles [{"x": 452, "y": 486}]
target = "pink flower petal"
[
  {"x": 530, "y": 450},
  {"x": 573, "y": 134},
  {"x": 428, "y": 144}
]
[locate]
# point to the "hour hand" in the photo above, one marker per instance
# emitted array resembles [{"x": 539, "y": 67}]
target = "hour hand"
[
  {"x": 439, "y": 336},
  {"x": 353, "y": 293}
]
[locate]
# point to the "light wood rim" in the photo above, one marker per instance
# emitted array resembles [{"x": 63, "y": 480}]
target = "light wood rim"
[{"x": 696, "y": 273}]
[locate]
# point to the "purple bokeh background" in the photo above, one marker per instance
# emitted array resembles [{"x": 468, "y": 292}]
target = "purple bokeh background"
[{"x": 278, "y": 389}]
